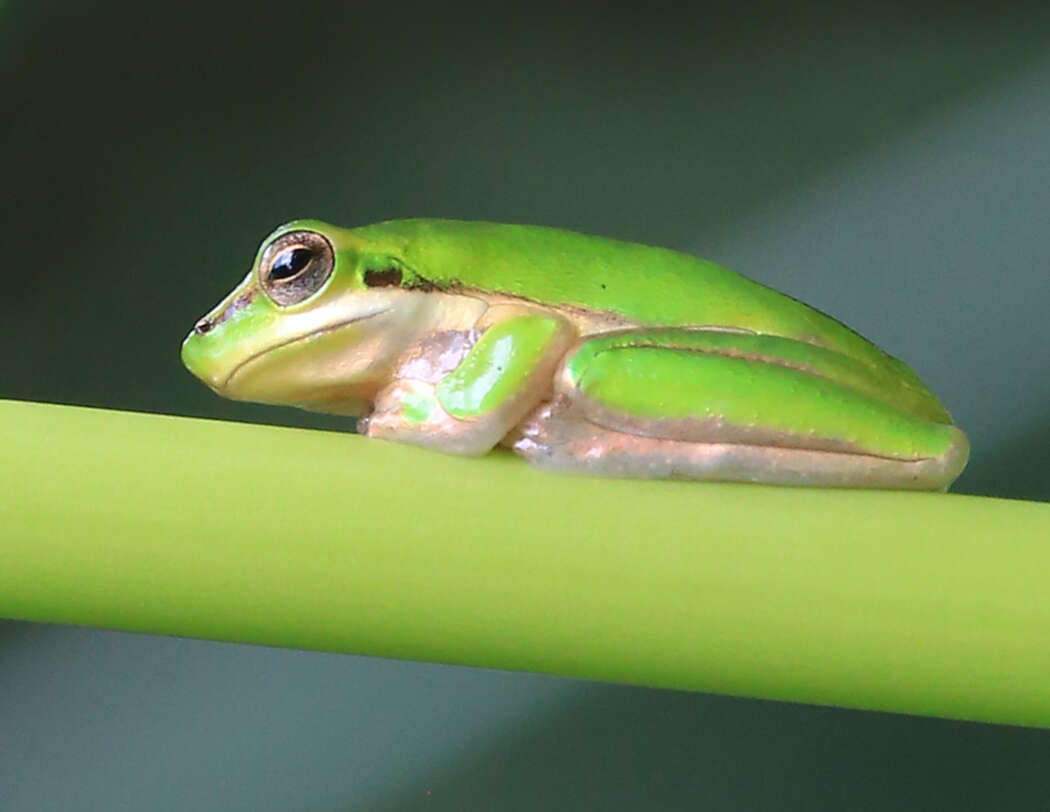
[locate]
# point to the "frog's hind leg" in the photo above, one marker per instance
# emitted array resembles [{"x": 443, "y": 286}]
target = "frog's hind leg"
[{"x": 712, "y": 405}]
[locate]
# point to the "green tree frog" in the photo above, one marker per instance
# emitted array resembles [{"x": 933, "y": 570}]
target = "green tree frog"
[{"x": 580, "y": 353}]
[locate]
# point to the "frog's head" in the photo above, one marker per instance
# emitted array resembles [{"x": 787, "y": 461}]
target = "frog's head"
[{"x": 311, "y": 325}]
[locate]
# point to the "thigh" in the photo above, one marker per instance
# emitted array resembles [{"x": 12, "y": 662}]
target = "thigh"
[{"x": 707, "y": 405}]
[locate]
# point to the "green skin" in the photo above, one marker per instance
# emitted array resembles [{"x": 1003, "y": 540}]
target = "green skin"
[{"x": 583, "y": 353}]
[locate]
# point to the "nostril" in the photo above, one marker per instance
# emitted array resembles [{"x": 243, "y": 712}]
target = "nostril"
[{"x": 203, "y": 326}]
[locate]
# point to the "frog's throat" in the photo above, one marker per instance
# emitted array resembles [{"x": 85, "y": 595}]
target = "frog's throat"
[{"x": 330, "y": 328}]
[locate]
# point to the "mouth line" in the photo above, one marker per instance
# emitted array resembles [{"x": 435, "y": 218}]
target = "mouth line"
[{"x": 331, "y": 328}]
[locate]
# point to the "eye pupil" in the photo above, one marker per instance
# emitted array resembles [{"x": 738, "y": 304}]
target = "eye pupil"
[{"x": 290, "y": 263}]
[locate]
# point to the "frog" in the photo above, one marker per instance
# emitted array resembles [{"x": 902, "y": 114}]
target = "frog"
[{"x": 582, "y": 354}]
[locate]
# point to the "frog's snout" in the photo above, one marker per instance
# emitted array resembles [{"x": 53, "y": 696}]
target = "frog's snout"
[
  {"x": 195, "y": 357},
  {"x": 204, "y": 351}
]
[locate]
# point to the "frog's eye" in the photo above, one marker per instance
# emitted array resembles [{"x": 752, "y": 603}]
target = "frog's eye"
[{"x": 295, "y": 266}]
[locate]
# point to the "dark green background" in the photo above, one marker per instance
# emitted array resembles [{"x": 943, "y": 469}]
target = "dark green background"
[{"x": 891, "y": 169}]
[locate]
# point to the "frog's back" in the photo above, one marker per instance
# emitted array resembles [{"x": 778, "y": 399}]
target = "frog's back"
[{"x": 643, "y": 284}]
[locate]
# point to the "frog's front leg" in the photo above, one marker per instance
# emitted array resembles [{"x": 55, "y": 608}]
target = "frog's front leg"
[
  {"x": 496, "y": 381},
  {"x": 710, "y": 404}
]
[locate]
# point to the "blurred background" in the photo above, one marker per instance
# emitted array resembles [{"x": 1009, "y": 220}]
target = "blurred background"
[{"x": 889, "y": 168}]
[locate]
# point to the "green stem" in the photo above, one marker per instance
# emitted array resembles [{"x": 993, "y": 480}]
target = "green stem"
[{"x": 922, "y": 603}]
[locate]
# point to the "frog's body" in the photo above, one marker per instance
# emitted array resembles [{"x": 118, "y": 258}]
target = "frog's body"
[{"x": 582, "y": 353}]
